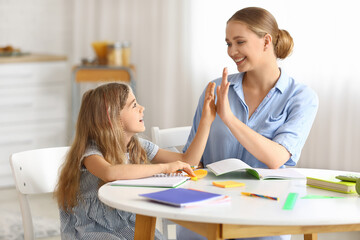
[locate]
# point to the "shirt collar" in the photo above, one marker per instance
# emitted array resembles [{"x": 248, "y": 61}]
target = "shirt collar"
[
  {"x": 236, "y": 79},
  {"x": 281, "y": 84}
]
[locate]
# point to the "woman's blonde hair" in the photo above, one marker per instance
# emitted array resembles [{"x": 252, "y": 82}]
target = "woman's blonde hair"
[
  {"x": 98, "y": 121},
  {"x": 261, "y": 22}
]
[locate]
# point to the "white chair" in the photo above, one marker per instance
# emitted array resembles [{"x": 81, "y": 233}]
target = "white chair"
[
  {"x": 172, "y": 139},
  {"x": 35, "y": 172}
]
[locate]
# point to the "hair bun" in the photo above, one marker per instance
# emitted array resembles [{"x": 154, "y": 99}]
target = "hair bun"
[{"x": 284, "y": 44}]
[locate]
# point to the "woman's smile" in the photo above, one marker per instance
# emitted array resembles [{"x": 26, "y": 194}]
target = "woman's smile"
[{"x": 239, "y": 61}]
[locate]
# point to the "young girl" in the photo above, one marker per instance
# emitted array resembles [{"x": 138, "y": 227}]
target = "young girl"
[
  {"x": 106, "y": 148},
  {"x": 264, "y": 115}
]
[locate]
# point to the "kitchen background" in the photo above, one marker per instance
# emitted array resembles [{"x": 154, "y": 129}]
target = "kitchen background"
[{"x": 177, "y": 47}]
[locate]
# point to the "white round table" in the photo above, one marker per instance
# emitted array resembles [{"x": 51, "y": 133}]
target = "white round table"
[{"x": 245, "y": 216}]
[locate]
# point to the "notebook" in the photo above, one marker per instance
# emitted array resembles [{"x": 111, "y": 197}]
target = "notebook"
[
  {"x": 234, "y": 164},
  {"x": 159, "y": 180},
  {"x": 331, "y": 184},
  {"x": 182, "y": 197}
]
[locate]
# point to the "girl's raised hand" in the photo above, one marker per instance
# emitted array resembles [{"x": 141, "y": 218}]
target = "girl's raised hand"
[
  {"x": 178, "y": 165},
  {"x": 209, "y": 109},
  {"x": 223, "y": 105}
]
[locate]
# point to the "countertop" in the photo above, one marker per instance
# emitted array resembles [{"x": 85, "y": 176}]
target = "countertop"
[{"x": 32, "y": 58}]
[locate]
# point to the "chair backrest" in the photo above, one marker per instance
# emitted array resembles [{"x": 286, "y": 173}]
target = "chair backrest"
[
  {"x": 170, "y": 137},
  {"x": 35, "y": 172}
]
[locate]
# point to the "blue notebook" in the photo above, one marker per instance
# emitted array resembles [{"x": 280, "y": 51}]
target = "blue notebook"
[{"x": 182, "y": 197}]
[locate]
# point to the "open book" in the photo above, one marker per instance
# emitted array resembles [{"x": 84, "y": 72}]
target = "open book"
[
  {"x": 233, "y": 164},
  {"x": 159, "y": 180}
]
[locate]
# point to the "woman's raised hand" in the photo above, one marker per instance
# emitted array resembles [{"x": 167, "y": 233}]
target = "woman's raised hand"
[
  {"x": 209, "y": 109},
  {"x": 223, "y": 105}
]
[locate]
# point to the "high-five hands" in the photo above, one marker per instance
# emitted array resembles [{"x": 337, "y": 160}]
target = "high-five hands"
[
  {"x": 223, "y": 105},
  {"x": 209, "y": 109}
]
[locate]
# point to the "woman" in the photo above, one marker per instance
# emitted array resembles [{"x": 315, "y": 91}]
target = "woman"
[{"x": 263, "y": 115}]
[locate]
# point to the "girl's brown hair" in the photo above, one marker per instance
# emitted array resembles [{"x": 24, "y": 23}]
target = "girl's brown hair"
[
  {"x": 98, "y": 121},
  {"x": 261, "y": 22}
]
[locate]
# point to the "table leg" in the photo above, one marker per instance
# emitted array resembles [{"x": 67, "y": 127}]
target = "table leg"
[
  {"x": 144, "y": 227},
  {"x": 310, "y": 236},
  {"x": 213, "y": 232}
]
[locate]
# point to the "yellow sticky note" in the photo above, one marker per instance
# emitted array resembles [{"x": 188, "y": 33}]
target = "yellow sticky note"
[
  {"x": 228, "y": 184},
  {"x": 200, "y": 173}
]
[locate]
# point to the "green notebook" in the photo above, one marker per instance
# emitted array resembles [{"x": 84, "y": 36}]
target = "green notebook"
[{"x": 331, "y": 184}]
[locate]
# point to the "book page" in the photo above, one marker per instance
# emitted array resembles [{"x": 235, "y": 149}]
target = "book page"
[
  {"x": 227, "y": 165},
  {"x": 281, "y": 173}
]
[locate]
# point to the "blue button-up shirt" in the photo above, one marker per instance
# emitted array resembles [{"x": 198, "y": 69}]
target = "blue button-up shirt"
[{"x": 284, "y": 116}]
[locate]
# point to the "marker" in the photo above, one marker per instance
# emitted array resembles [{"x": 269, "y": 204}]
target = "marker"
[{"x": 259, "y": 196}]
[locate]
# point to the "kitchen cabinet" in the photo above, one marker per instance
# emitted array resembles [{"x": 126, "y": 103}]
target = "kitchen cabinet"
[{"x": 34, "y": 110}]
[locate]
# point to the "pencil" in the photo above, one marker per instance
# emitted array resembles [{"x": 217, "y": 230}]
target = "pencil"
[
  {"x": 259, "y": 196},
  {"x": 192, "y": 167}
]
